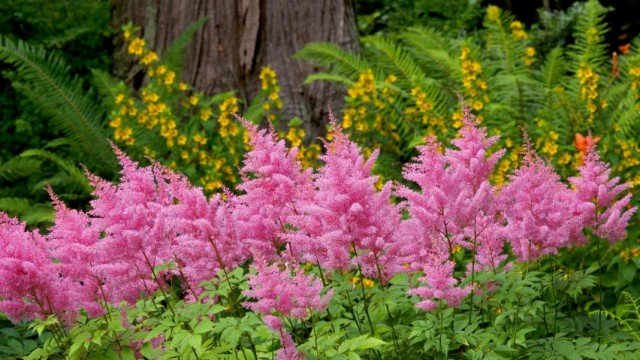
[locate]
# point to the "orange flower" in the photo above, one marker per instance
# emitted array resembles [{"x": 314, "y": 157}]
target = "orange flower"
[
  {"x": 583, "y": 143},
  {"x": 624, "y": 49}
]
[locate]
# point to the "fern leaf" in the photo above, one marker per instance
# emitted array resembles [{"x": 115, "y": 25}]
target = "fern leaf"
[
  {"x": 76, "y": 175},
  {"x": 17, "y": 168},
  {"x": 45, "y": 81},
  {"x": 174, "y": 55},
  {"x": 330, "y": 78},
  {"x": 395, "y": 60},
  {"x": 332, "y": 56}
]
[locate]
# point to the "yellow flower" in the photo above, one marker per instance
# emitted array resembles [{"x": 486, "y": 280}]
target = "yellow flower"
[
  {"x": 206, "y": 114},
  {"x": 550, "y": 148},
  {"x": 149, "y": 58},
  {"x": 182, "y": 140},
  {"x": 493, "y": 13},
  {"x": 267, "y": 77},
  {"x": 531, "y": 51},
  {"x": 199, "y": 139},
  {"x": 150, "y": 96},
  {"x": 116, "y": 122},
  {"x": 182, "y": 86},
  {"x": 136, "y": 47},
  {"x": 193, "y": 100},
  {"x": 517, "y": 29},
  {"x": 456, "y": 249},
  {"x": 160, "y": 70},
  {"x": 169, "y": 78},
  {"x": 119, "y": 98}
]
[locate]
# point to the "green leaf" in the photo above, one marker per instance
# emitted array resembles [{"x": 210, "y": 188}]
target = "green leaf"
[{"x": 362, "y": 342}]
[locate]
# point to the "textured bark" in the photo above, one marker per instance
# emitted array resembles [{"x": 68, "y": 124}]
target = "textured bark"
[{"x": 240, "y": 37}]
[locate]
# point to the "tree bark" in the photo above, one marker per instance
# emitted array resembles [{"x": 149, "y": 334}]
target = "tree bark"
[{"x": 242, "y": 36}]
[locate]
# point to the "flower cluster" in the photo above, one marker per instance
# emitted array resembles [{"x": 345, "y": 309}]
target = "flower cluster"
[
  {"x": 366, "y": 103},
  {"x": 588, "y": 80},
  {"x": 170, "y": 120},
  {"x": 474, "y": 86},
  {"x": 518, "y": 31},
  {"x": 269, "y": 84},
  {"x": 154, "y": 224}
]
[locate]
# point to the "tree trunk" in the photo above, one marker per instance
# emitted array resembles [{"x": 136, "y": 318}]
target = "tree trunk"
[{"x": 240, "y": 37}]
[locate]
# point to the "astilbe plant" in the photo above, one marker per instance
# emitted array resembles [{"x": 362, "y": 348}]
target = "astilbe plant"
[
  {"x": 29, "y": 281},
  {"x": 347, "y": 223},
  {"x": 456, "y": 208},
  {"x": 605, "y": 211},
  {"x": 154, "y": 224},
  {"x": 273, "y": 182},
  {"x": 288, "y": 293},
  {"x": 542, "y": 214}
]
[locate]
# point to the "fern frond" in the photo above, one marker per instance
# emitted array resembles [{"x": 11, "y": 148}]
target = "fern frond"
[
  {"x": 432, "y": 52},
  {"x": 38, "y": 214},
  {"x": 590, "y": 29},
  {"x": 45, "y": 81},
  {"x": 553, "y": 70},
  {"x": 17, "y": 168},
  {"x": 106, "y": 85},
  {"x": 330, "y": 78},
  {"x": 14, "y": 206},
  {"x": 174, "y": 55},
  {"x": 75, "y": 175},
  {"x": 395, "y": 60},
  {"x": 333, "y": 57}
]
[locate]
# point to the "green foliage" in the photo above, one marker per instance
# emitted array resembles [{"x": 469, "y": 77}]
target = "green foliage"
[
  {"x": 44, "y": 81},
  {"x": 554, "y": 94},
  {"x": 388, "y": 16},
  {"x": 526, "y": 312}
]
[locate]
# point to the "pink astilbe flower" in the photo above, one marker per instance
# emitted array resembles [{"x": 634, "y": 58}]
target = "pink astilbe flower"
[
  {"x": 542, "y": 214},
  {"x": 30, "y": 283},
  {"x": 347, "y": 215},
  {"x": 133, "y": 240},
  {"x": 456, "y": 205},
  {"x": 289, "y": 292},
  {"x": 206, "y": 234},
  {"x": 72, "y": 242},
  {"x": 440, "y": 285},
  {"x": 606, "y": 212},
  {"x": 273, "y": 181},
  {"x": 288, "y": 350}
]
